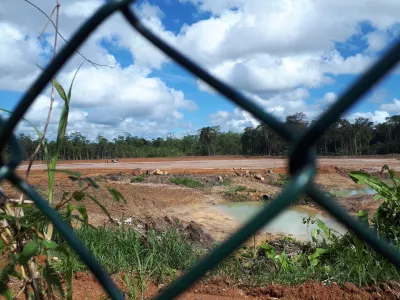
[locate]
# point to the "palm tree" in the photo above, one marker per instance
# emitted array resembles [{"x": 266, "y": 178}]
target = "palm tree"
[{"x": 208, "y": 135}]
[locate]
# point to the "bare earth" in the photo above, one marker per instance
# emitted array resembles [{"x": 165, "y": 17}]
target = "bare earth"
[
  {"x": 223, "y": 163},
  {"x": 157, "y": 198}
]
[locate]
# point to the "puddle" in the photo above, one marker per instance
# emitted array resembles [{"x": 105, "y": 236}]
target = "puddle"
[
  {"x": 288, "y": 222},
  {"x": 353, "y": 192}
]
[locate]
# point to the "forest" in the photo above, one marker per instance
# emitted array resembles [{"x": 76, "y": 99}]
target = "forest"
[{"x": 361, "y": 137}]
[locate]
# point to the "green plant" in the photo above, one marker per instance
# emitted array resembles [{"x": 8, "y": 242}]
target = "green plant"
[
  {"x": 27, "y": 233},
  {"x": 139, "y": 178},
  {"x": 283, "y": 179},
  {"x": 239, "y": 193},
  {"x": 387, "y": 217},
  {"x": 226, "y": 182},
  {"x": 189, "y": 182}
]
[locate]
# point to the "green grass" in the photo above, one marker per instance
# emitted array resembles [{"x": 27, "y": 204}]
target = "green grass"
[
  {"x": 139, "y": 178},
  {"x": 157, "y": 255},
  {"x": 161, "y": 256},
  {"x": 226, "y": 182},
  {"x": 284, "y": 179},
  {"x": 189, "y": 182},
  {"x": 233, "y": 193},
  {"x": 341, "y": 263}
]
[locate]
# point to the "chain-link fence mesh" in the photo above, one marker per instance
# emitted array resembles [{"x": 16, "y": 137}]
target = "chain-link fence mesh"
[{"x": 302, "y": 161}]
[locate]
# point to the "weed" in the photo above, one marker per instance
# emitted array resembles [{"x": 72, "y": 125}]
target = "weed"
[
  {"x": 283, "y": 179},
  {"x": 189, "y": 182},
  {"x": 139, "y": 178},
  {"x": 235, "y": 193},
  {"x": 386, "y": 219},
  {"x": 159, "y": 255},
  {"x": 226, "y": 182}
]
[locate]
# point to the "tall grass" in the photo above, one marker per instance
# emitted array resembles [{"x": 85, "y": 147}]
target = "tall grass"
[{"x": 158, "y": 254}]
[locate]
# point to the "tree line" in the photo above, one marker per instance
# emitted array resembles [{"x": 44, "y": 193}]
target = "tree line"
[{"x": 361, "y": 137}]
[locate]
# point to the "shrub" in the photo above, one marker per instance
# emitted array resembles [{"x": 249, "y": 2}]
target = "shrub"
[{"x": 189, "y": 182}]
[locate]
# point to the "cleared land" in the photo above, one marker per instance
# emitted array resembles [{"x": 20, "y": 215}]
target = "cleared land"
[
  {"x": 156, "y": 201},
  {"x": 222, "y": 163}
]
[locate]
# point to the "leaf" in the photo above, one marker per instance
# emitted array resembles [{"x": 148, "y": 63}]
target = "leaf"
[
  {"x": 5, "y": 273},
  {"x": 30, "y": 249},
  {"x": 91, "y": 182},
  {"x": 377, "y": 197},
  {"x": 73, "y": 173},
  {"x": 269, "y": 250},
  {"x": 363, "y": 216},
  {"x": 318, "y": 252},
  {"x": 70, "y": 208},
  {"x": 73, "y": 178},
  {"x": 314, "y": 235},
  {"x": 313, "y": 258},
  {"x": 72, "y": 82},
  {"x": 103, "y": 208},
  {"x": 78, "y": 195},
  {"x": 373, "y": 182},
  {"x": 49, "y": 244},
  {"x": 116, "y": 195},
  {"x": 82, "y": 210},
  {"x": 53, "y": 279},
  {"x": 323, "y": 227},
  {"x": 68, "y": 278},
  {"x": 9, "y": 295},
  {"x": 60, "y": 90}
]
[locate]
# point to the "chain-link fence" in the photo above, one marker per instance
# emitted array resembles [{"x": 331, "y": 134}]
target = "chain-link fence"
[{"x": 302, "y": 161}]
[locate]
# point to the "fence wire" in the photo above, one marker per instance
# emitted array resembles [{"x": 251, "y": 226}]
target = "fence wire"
[{"x": 302, "y": 160}]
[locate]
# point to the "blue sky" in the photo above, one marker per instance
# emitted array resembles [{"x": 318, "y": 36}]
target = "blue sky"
[{"x": 293, "y": 56}]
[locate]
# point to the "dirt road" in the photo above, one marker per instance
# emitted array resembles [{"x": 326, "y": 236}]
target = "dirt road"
[{"x": 372, "y": 164}]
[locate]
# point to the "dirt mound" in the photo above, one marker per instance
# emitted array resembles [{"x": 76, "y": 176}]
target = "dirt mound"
[{"x": 189, "y": 230}]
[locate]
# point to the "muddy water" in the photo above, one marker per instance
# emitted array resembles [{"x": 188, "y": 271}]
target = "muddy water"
[{"x": 288, "y": 222}]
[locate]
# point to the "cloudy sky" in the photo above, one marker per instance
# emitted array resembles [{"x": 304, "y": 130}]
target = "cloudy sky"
[{"x": 287, "y": 55}]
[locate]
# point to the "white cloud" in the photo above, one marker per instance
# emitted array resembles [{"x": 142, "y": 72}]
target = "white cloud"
[
  {"x": 377, "y": 41},
  {"x": 329, "y": 98},
  {"x": 278, "y": 104},
  {"x": 263, "y": 46},
  {"x": 275, "y": 51},
  {"x": 236, "y": 121},
  {"x": 377, "y": 116},
  {"x": 392, "y": 107}
]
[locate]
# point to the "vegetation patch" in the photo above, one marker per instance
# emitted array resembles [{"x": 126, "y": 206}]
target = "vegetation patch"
[
  {"x": 239, "y": 193},
  {"x": 189, "y": 182},
  {"x": 139, "y": 178},
  {"x": 158, "y": 254}
]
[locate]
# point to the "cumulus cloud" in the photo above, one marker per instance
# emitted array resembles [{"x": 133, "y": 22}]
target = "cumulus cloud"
[
  {"x": 275, "y": 52},
  {"x": 377, "y": 116},
  {"x": 278, "y": 104},
  {"x": 392, "y": 107},
  {"x": 236, "y": 121}
]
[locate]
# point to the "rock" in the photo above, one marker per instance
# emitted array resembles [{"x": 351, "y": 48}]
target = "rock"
[
  {"x": 247, "y": 173},
  {"x": 238, "y": 174},
  {"x": 259, "y": 177},
  {"x": 128, "y": 221},
  {"x": 137, "y": 172},
  {"x": 220, "y": 179},
  {"x": 265, "y": 197},
  {"x": 165, "y": 173},
  {"x": 158, "y": 172},
  {"x": 197, "y": 234},
  {"x": 149, "y": 172},
  {"x": 269, "y": 172}
]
